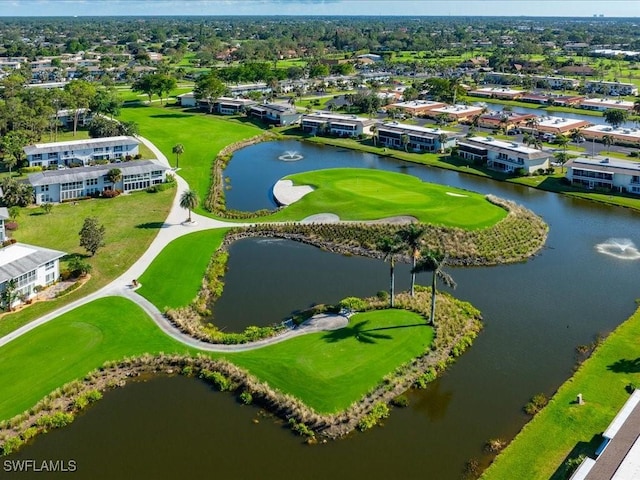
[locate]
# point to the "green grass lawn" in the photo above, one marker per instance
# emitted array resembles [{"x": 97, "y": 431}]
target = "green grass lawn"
[
  {"x": 203, "y": 136},
  {"x": 565, "y": 429},
  {"x": 131, "y": 221},
  {"x": 184, "y": 261},
  {"x": 330, "y": 370},
  {"x": 69, "y": 347},
  {"x": 360, "y": 194}
]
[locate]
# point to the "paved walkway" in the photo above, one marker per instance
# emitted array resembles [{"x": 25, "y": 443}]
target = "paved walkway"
[{"x": 174, "y": 226}]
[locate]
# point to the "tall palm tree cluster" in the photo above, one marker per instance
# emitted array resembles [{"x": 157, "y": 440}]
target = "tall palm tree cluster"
[{"x": 410, "y": 240}]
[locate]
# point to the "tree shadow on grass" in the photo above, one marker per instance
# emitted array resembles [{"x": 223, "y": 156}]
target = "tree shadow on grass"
[
  {"x": 625, "y": 366},
  {"x": 568, "y": 465},
  {"x": 361, "y": 333},
  {"x": 151, "y": 225},
  {"x": 72, "y": 256}
]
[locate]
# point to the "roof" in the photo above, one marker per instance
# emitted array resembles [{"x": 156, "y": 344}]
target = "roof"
[
  {"x": 607, "y": 165},
  {"x": 19, "y": 258},
  {"x": 321, "y": 117},
  {"x": 81, "y": 144},
  {"x": 48, "y": 177},
  {"x": 4, "y": 213},
  {"x": 497, "y": 145},
  {"x": 434, "y": 132}
]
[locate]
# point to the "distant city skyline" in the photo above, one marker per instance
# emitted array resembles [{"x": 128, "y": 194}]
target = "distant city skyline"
[{"x": 541, "y": 8}]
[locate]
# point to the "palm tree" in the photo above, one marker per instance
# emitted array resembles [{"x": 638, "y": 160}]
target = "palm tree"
[
  {"x": 412, "y": 235},
  {"x": 607, "y": 140},
  {"x": 434, "y": 261},
  {"x": 189, "y": 200},
  {"x": 114, "y": 175},
  {"x": 636, "y": 106},
  {"x": 391, "y": 247},
  {"x": 442, "y": 138},
  {"x": 563, "y": 141},
  {"x": 404, "y": 139},
  {"x": 178, "y": 149},
  {"x": 374, "y": 134},
  {"x": 533, "y": 123}
]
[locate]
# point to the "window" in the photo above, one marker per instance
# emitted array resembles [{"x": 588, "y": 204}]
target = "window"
[
  {"x": 92, "y": 181},
  {"x": 44, "y": 188},
  {"x": 49, "y": 265}
]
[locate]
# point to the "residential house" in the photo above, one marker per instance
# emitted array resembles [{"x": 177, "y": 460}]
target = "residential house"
[
  {"x": 556, "y": 125},
  {"x": 535, "y": 98},
  {"x": 25, "y": 268},
  {"x": 335, "y": 124},
  {"x": 555, "y": 83},
  {"x": 187, "y": 100},
  {"x": 505, "y": 120},
  {"x": 275, "y": 113},
  {"x": 416, "y": 107},
  {"x": 65, "y": 117},
  {"x": 604, "y": 173},
  {"x": 418, "y": 139},
  {"x": 613, "y": 89},
  {"x": 602, "y": 104},
  {"x": 455, "y": 113},
  {"x": 244, "y": 89},
  {"x": 229, "y": 106},
  {"x": 81, "y": 152},
  {"x": 620, "y": 135},
  {"x": 504, "y": 156},
  {"x": 53, "y": 186},
  {"x": 501, "y": 93}
]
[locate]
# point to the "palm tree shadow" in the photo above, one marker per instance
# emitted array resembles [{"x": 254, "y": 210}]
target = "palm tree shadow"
[
  {"x": 356, "y": 331},
  {"x": 363, "y": 334},
  {"x": 625, "y": 366}
]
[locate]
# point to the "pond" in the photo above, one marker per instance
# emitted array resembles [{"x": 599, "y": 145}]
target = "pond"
[{"x": 535, "y": 314}]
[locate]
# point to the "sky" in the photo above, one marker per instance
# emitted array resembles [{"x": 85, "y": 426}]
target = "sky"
[{"x": 565, "y": 8}]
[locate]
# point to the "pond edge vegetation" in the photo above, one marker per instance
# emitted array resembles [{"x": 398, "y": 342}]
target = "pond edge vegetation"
[{"x": 455, "y": 332}]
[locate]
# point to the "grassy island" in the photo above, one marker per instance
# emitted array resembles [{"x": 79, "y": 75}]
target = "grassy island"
[{"x": 362, "y": 194}]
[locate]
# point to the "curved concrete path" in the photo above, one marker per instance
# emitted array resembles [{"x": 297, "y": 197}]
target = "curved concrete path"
[{"x": 173, "y": 227}]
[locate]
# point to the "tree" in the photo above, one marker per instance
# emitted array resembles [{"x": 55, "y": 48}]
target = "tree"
[
  {"x": 149, "y": 85},
  {"x": 209, "y": 88},
  {"x": 607, "y": 141},
  {"x": 189, "y": 200},
  {"x": 561, "y": 158},
  {"x": 12, "y": 145},
  {"x": 433, "y": 261},
  {"x": 442, "y": 138},
  {"x": 92, "y": 235},
  {"x": 404, "y": 140},
  {"x": 47, "y": 207},
  {"x": 166, "y": 84},
  {"x": 10, "y": 294},
  {"x": 106, "y": 102},
  {"x": 391, "y": 247},
  {"x": 563, "y": 141},
  {"x": 16, "y": 193},
  {"x": 412, "y": 235},
  {"x": 79, "y": 95},
  {"x": 615, "y": 117},
  {"x": 101, "y": 127},
  {"x": 114, "y": 175},
  {"x": 374, "y": 134},
  {"x": 178, "y": 149}
]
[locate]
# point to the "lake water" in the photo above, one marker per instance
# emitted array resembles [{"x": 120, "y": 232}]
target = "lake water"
[{"x": 535, "y": 314}]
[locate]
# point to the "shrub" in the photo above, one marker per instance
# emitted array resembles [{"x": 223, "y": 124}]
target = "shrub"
[
  {"x": 246, "y": 398},
  {"x": 137, "y": 156},
  {"x": 301, "y": 429},
  {"x": 382, "y": 295},
  {"x": 427, "y": 377},
  {"x": 29, "y": 433},
  {"x": 79, "y": 267},
  {"x": 218, "y": 379},
  {"x": 495, "y": 445},
  {"x": 537, "y": 403},
  {"x": 57, "y": 420},
  {"x": 110, "y": 193},
  {"x": 25, "y": 170},
  {"x": 400, "y": 401},
  {"x": 379, "y": 411},
  {"x": 11, "y": 226},
  {"x": 353, "y": 303},
  {"x": 12, "y": 444}
]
